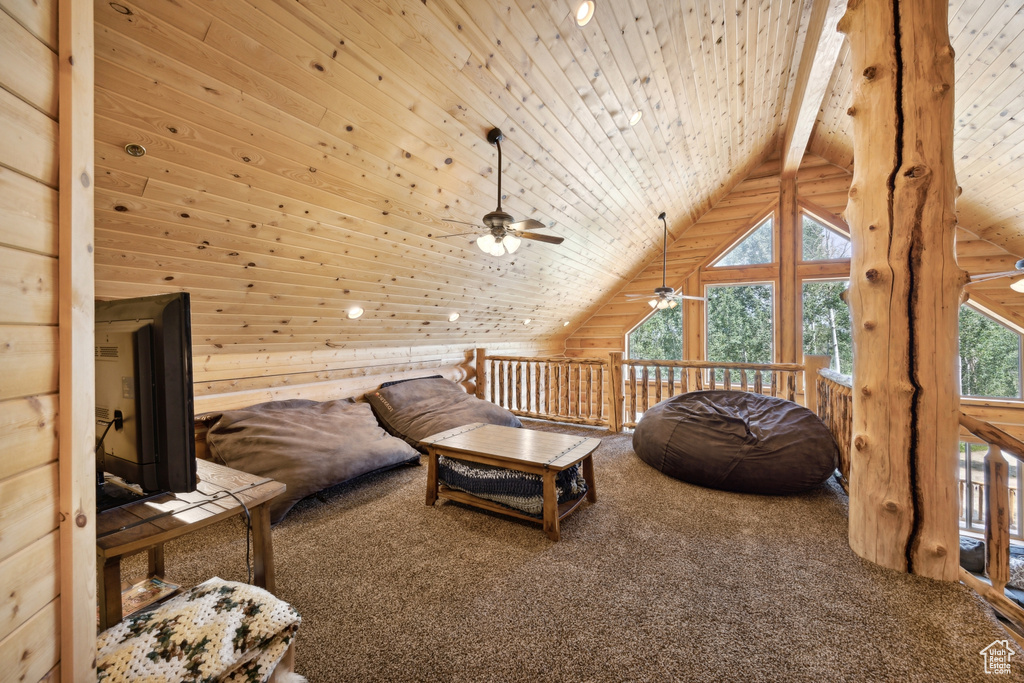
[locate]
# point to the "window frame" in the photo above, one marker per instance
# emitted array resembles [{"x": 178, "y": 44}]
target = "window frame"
[
  {"x": 828, "y": 220},
  {"x": 682, "y": 333},
  {"x": 755, "y": 225},
  {"x": 800, "y": 290},
  {"x": 773, "y": 283},
  {"x": 981, "y": 309}
]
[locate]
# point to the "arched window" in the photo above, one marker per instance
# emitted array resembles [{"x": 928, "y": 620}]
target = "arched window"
[{"x": 754, "y": 248}]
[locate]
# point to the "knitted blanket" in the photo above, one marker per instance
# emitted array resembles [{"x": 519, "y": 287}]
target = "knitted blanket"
[{"x": 217, "y": 631}]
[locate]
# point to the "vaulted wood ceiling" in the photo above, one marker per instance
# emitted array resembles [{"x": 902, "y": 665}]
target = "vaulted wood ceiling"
[{"x": 303, "y": 155}]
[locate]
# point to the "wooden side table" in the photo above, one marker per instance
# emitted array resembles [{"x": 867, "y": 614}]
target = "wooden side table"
[{"x": 148, "y": 524}]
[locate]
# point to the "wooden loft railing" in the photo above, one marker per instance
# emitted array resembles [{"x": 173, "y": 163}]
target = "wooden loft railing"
[
  {"x": 644, "y": 383},
  {"x": 617, "y": 391},
  {"x": 835, "y": 408},
  {"x": 997, "y": 517},
  {"x": 558, "y": 389}
]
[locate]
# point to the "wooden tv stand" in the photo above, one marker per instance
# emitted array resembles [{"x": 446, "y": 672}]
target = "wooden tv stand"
[{"x": 146, "y": 525}]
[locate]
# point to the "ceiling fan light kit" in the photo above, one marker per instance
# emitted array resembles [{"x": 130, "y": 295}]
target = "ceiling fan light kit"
[
  {"x": 505, "y": 233},
  {"x": 664, "y": 296}
]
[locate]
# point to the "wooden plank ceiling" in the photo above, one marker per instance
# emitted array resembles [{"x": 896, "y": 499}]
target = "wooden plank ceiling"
[
  {"x": 988, "y": 38},
  {"x": 302, "y": 155}
]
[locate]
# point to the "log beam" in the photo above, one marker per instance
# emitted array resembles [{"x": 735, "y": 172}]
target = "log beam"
[
  {"x": 905, "y": 287},
  {"x": 817, "y": 61}
]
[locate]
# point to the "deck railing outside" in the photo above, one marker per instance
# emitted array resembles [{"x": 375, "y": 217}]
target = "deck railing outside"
[{"x": 995, "y": 511}]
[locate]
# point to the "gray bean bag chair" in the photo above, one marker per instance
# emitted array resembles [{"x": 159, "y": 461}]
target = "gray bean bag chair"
[{"x": 737, "y": 441}]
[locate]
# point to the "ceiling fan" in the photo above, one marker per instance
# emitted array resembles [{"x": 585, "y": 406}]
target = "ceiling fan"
[
  {"x": 1017, "y": 286},
  {"x": 664, "y": 297},
  {"x": 504, "y": 233}
]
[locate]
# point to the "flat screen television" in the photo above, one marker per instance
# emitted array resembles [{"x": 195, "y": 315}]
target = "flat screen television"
[{"x": 144, "y": 399}]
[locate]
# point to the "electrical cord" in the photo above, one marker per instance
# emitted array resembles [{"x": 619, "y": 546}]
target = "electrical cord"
[{"x": 248, "y": 530}]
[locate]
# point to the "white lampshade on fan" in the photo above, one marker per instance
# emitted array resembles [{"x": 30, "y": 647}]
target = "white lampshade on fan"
[
  {"x": 486, "y": 243},
  {"x": 498, "y": 249},
  {"x": 511, "y": 243},
  {"x": 1018, "y": 286}
]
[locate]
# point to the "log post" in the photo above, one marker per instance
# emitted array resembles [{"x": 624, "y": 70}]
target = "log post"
[
  {"x": 481, "y": 374},
  {"x": 997, "y": 518},
  {"x": 904, "y": 287},
  {"x": 811, "y": 366},
  {"x": 615, "y": 395}
]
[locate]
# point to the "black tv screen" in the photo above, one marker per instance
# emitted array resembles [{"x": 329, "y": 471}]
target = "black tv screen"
[{"x": 144, "y": 377}]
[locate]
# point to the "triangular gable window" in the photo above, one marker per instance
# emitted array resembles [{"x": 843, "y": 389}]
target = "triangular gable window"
[
  {"x": 753, "y": 249},
  {"x": 822, "y": 242}
]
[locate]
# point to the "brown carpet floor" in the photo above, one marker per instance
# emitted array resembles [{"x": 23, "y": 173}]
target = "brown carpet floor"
[{"x": 659, "y": 581}]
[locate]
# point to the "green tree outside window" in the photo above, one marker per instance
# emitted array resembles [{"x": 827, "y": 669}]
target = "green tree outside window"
[
  {"x": 740, "y": 324},
  {"x": 756, "y": 248},
  {"x": 659, "y": 337},
  {"x": 822, "y": 243},
  {"x": 827, "y": 324},
  {"x": 989, "y": 356}
]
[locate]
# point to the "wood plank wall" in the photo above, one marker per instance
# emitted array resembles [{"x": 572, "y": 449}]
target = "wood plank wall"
[
  {"x": 29, "y": 541},
  {"x": 818, "y": 181}
]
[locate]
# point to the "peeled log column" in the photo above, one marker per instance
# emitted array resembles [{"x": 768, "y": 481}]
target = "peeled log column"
[{"x": 905, "y": 286}]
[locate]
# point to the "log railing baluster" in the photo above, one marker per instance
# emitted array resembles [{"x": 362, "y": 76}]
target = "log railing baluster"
[
  {"x": 645, "y": 390},
  {"x": 632, "y": 395}
]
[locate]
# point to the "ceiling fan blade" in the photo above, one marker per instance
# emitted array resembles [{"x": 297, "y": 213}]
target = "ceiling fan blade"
[
  {"x": 985, "y": 277},
  {"x": 475, "y": 225},
  {"x": 460, "y": 234},
  {"x": 688, "y": 296},
  {"x": 527, "y": 224},
  {"x": 640, "y": 296},
  {"x": 550, "y": 239}
]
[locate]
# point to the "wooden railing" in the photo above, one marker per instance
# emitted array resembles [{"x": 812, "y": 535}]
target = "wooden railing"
[
  {"x": 616, "y": 392},
  {"x": 997, "y": 517},
  {"x": 639, "y": 384},
  {"x": 559, "y": 389},
  {"x": 835, "y": 408}
]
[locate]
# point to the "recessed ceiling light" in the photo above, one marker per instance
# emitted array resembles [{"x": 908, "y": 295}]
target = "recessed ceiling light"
[
  {"x": 453, "y": 317},
  {"x": 584, "y": 12},
  {"x": 565, "y": 324},
  {"x": 354, "y": 312},
  {"x": 527, "y": 321},
  {"x": 635, "y": 118}
]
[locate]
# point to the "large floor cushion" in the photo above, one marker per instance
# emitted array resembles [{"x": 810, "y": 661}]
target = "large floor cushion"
[
  {"x": 417, "y": 408},
  {"x": 523, "y": 491},
  {"x": 737, "y": 441},
  {"x": 308, "y": 445}
]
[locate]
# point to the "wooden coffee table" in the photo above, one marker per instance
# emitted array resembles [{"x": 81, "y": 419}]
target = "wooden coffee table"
[{"x": 524, "y": 450}]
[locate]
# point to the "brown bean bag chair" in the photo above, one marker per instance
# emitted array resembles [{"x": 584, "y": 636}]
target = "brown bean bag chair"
[{"x": 737, "y": 441}]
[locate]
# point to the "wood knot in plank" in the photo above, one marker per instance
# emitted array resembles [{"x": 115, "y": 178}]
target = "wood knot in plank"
[
  {"x": 916, "y": 172},
  {"x": 860, "y": 443},
  {"x": 852, "y": 111},
  {"x": 870, "y": 73},
  {"x": 891, "y": 506},
  {"x": 873, "y": 275}
]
